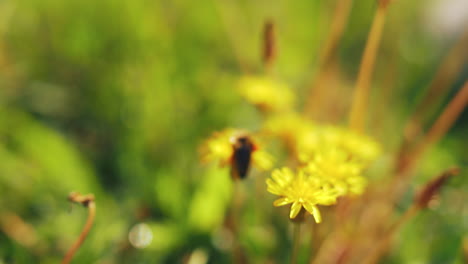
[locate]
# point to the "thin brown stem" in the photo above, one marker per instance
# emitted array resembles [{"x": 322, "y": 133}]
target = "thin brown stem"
[
  {"x": 440, "y": 84},
  {"x": 339, "y": 21},
  {"x": 384, "y": 100},
  {"x": 421, "y": 202},
  {"x": 387, "y": 239},
  {"x": 239, "y": 255},
  {"x": 87, "y": 201},
  {"x": 362, "y": 89},
  {"x": 438, "y": 129},
  {"x": 269, "y": 45},
  {"x": 17, "y": 229}
]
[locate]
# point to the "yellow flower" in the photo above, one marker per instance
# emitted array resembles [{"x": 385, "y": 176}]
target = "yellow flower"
[
  {"x": 341, "y": 173},
  {"x": 262, "y": 160},
  {"x": 220, "y": 147},
  {"x": 302, "y": 190},
  {"x": 359, "y": 148},
  {"x": 266, "y": 94},
  {"x": 291, "y": 128},
  {"x": 305, "y": 138},
  {"x": 288, "y": 126}
]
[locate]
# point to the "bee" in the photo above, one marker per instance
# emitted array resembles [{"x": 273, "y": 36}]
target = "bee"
[{"x": 241, "y": 159}]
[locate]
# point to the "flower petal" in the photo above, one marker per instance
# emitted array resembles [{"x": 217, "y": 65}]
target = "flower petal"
[
  {"x": 282, "y": 201},
  {"x": 295, "y": 209},
  {"x": 316, "y": 214},
  {"x": 262, "y": 160},
  {"x": 273, "y": 187},
  {"x": 278, "y": 177},
  {"x": 309, "y": 207}
]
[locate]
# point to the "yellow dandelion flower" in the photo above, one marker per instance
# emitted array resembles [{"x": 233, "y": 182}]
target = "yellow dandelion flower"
[
  {"x": 291, "y": 128},
  {"x": 287, "y": 126},
  {"x": 262, "y": 160},
  {"x": 218, "y": 147},
  {"x": 237, "y": 149},
  {"x": 341, "y": 173},
  {"x": 359, "y": 148},
  {"x": 302, "y": 190},
  {"x": 266, "y": 94}
]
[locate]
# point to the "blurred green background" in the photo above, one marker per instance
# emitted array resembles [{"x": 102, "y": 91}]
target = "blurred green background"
[{"x": 114, "y": 97}]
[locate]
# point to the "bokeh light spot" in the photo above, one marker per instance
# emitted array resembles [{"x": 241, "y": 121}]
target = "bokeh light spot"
[{"x": 140, "y": 236}]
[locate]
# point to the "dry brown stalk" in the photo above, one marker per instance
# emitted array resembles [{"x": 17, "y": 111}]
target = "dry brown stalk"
[
  {"x": 421, "y": 202},
  {"x": 239, "y": 255},
  {"x": 384, "y": 244},
  {"x": 18, "y": 229},
  {"x": 439, "y": 86},
  {"x": 362, "y": 89},
  {"x": 269, "y": 44},
  {"x": 438, "y": 129},
  {"x": 87, "y": 201},
  {"x": 433, "y": 187},
  {"x": 339, "y": 21}
]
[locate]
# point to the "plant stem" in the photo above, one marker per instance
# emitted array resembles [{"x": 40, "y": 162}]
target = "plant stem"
[
  {"x": 87, "y": 201},
  {"x": 438, "y": 129},
  {"x": 361, "y": 92},
  {"x": 421, "y": 202},
  {"x": 340, "y": 19},
  {"x": 269, "y": 46},
  {"x": 383, "y": 245},
  {"x": 296, "y": 241},
  {"x": 18, "y": 230},
  {"x": 235, "y": 220},
  {"x": 438, "y": 88}
]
